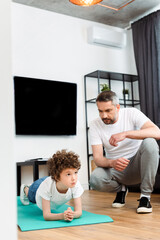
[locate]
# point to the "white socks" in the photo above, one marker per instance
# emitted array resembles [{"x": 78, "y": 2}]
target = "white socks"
[
  {"x": 147, "y": 196},
  {"x": 142, "y": 195},
  {"x": 123, "y": 188}
]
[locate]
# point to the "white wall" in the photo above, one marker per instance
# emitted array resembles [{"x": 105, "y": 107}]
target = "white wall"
[
  {"x": 52, "y": 46},
  {"x": 7, "y": 170}
]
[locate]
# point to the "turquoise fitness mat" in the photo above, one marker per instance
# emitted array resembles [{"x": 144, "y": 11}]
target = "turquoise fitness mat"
[{"x": 30, "y": 218}]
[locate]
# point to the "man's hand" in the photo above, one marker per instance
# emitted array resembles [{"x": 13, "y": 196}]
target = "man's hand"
[
  {"x": 120, "y": 164},
  {"x": 68, "y": 214},
  {"x": 115, "y": 138}
]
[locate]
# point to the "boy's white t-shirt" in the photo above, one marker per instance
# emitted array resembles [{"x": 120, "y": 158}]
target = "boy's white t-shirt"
[
  {"x": 129, "y": 119},
  {"x": 48, "y": 191}
]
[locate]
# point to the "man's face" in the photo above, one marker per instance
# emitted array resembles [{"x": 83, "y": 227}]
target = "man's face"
[{"x": 108, "y": 112}]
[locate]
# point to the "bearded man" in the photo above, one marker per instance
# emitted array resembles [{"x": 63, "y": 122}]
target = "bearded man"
[{"x": 132, "y": 153}]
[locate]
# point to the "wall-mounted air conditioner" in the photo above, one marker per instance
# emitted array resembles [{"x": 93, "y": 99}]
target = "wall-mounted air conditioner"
[{"x": 106, "y": 37}]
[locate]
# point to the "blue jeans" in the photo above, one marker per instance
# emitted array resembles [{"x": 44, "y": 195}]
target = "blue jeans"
[{"x": 33, "y": 189}]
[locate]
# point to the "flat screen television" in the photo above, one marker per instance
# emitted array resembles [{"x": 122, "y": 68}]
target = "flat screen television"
[{"x": 44, "y": 107}]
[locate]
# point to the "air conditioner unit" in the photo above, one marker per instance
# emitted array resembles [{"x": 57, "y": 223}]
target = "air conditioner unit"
[{"x": 106, "y": 37}]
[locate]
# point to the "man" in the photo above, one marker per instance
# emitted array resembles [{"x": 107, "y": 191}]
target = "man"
[{"x": 132, "y": 153}]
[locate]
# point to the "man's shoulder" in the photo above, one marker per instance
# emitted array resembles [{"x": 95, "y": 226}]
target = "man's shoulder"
[
  {"x": 133, "y": 114},
  {"x": 130, "y": 110},
  {"x": 95, "y": 122}
]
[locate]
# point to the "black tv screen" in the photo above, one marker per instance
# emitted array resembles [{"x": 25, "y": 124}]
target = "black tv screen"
[{"x": 44, "y": 107}]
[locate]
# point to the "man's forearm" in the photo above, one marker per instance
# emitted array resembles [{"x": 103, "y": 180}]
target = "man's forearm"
[
  {"x": 103, "y": 162},
  {"x": 152, "y": 132},
  {"x": 118, "y": 164},
  {"x": 149, "y": 132}
]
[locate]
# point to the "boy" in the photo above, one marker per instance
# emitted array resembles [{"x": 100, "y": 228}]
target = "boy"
[{"x": 62, "y": 185}]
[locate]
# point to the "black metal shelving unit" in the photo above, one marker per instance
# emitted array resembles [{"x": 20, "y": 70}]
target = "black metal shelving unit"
[{"x": 110, "y": 78}]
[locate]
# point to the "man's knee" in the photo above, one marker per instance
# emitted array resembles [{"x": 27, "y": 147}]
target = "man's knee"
[
  {"x": 96, "y": 179},
  {"x": 150, "y": 145},
  {"x": 151, "y": 152},
  {"x": 100, "y": 179}
]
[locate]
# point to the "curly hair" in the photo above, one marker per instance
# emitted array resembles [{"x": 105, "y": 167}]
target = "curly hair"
[{"x": 60, "y": 161}]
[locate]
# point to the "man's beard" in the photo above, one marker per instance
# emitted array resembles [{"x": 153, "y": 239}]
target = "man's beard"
[{"x": 108, "y": 121}]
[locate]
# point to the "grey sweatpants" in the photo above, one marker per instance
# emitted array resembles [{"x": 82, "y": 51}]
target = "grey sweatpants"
[{"x": 141, "y": 169}]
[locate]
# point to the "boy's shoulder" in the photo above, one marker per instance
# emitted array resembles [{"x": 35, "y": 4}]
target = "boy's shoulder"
[
  {"x": 78, "y": 184},
  {"x": 48, "y": 179},
  {"x": 47, "y": 183},
  {"x": 77, "y": 190}
]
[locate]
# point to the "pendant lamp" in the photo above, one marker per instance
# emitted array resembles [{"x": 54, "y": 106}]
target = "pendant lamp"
[{"x": 85, "y": 2}]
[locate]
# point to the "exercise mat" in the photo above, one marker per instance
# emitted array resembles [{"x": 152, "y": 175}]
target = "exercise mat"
[{"x": 30, "y": 218}]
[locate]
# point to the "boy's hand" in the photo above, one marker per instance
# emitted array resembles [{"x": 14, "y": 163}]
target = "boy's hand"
[{"x": 68, "y": 214}]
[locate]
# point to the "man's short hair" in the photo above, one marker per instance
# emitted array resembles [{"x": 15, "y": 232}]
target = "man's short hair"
[{"x": 107, "y": 96}]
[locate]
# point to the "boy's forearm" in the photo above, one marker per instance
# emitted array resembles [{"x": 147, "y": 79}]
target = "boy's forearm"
[
  {"x": 53, "y": 216},
  {"x": 77, "y": 214},
  {"x": 60, "y": 216}
]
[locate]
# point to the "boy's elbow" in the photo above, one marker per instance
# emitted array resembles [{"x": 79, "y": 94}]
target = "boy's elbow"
[
  {"x": 45, "y": 217},
  {"x": 79, "y": 214}
]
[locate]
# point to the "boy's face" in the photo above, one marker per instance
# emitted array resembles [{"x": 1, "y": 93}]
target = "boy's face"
[{"x": 68, "y": 177}]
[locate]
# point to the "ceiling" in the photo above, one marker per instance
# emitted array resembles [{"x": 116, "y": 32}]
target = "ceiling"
[{"x": 98, "y": 13}]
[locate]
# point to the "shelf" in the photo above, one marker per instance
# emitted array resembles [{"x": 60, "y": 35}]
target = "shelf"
[
  {"x": 112, "y": 76},
  {"x": 93, "y": 100},
  {"x": 136, "y": 102},
  {"x": 90, "y": 155}
]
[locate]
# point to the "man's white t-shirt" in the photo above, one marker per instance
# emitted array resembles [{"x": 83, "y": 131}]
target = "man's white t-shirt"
[
  {"x": 129, "y": 119},
  {"x": 48, "y": 191}
]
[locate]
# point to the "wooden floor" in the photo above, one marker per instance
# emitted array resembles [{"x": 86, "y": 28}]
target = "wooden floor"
[{"x": 127, "y": 223}]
